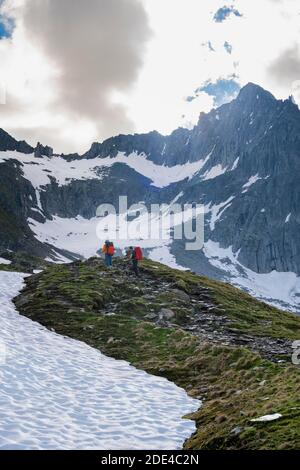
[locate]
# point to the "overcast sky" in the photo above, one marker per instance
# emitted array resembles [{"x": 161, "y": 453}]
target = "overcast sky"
[{"x": 77, "y": 71}]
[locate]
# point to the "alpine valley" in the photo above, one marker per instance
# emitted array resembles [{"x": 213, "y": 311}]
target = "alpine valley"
[{"x": 241, "y": 162}]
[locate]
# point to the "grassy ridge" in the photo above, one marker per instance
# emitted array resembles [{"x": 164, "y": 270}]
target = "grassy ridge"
[
  {"x": 247, "y": 314},
  {"x": 108, "y": 310}
]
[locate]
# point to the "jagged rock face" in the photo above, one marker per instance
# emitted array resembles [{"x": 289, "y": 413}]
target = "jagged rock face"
[
  {"x": 18, "y": 201},
  {"x": 233, "y": 130},
  {"x": 15, "y": 207},
  {"x": 42, "y": 150},
  {"x": 262, "y": 219},
  {"x": 83, "y": 197},
  {"x": 9, "y": 143},
  {"x": 248, "y": 179}
]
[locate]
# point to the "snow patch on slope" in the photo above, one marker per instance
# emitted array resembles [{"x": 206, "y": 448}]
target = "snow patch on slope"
[
  {"x": 84, "y": 237},
  {"x": 163, "y": 255},
  {"x": 79, "y": 235},
  {"x": 217, "y": 210},
  {"x": 39, "y": 171},
  {"x": 58, "y": 393},
  {"x": 281, "y": 289},
  {"x": 235, "y": 164},
  {"x": 214, "y": 172},
  {"x": 252, "y": 180}
]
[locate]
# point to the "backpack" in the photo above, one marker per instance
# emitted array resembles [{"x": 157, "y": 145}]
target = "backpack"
[
  {"x": 138, "y": 254},
  {"x": 111, "y": 249}
]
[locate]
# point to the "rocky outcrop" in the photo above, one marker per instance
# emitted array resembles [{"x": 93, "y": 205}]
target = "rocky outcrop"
[
  {"x": 9, "y": 143},
  {"x": 18, "y": 203},
  {"x": 41, "y": 150}
]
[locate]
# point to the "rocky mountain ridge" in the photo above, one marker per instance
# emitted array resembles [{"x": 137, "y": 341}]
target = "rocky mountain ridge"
[{"x": 241, "y": 162}]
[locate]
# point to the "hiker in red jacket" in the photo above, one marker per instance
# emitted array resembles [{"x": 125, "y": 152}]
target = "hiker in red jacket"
[
  {"x": 136, "y": 256},
  {"x": 109, "y": 251}
]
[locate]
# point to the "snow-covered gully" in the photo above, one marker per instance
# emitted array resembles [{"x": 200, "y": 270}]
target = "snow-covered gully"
[{"x": 58, "y": 393}]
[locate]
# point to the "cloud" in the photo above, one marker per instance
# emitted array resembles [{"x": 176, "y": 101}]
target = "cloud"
[
  {"x": 92, "y": 51},
  {"x": 97, "y": 47},
  {"x": 285, "y": 69},
  {"x": 79, "y": 71},
  {"x": 223, "y": 13}
]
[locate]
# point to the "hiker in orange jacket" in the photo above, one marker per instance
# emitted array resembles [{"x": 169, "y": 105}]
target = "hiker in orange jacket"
[{"x": 109, "y": 250}]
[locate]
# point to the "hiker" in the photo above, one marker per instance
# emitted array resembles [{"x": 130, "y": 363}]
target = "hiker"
[
  {"x": 109, "y": 251},
  {"x": 128, "y": 252},
  {"x": 136, "y": 256}
]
